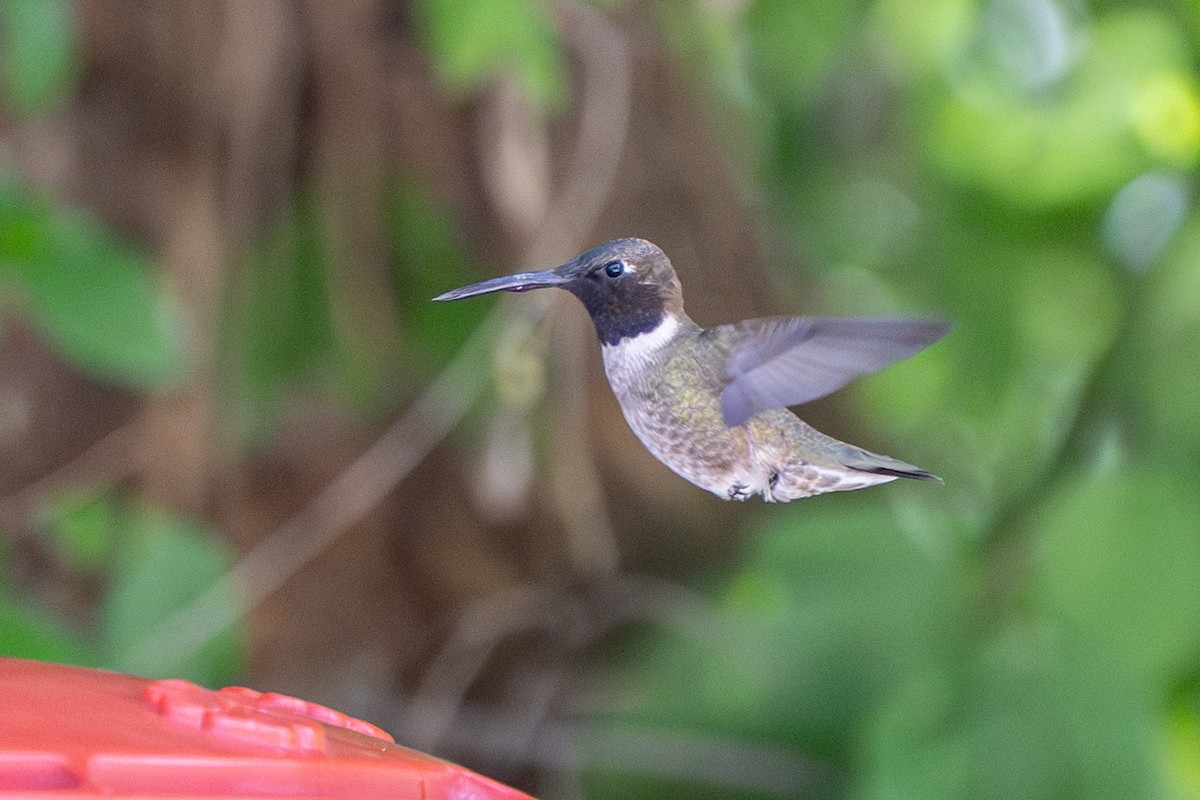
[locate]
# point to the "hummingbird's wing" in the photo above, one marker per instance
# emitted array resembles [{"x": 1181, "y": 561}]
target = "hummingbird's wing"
[{"x": 785, "y": 361}]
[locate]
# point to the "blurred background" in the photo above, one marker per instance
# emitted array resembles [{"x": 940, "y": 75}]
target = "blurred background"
[{"x": 240, "y": 445}]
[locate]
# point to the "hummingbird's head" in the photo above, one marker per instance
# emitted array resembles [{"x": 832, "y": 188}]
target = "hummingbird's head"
[{"x": 627, "y": 285}]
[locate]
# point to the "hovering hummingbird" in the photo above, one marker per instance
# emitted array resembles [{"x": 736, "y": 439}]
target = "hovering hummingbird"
[{"x": 711, "y": 403}]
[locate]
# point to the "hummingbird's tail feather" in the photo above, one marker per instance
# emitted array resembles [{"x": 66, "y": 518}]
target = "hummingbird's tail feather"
[{"x": 866, "y": 461}]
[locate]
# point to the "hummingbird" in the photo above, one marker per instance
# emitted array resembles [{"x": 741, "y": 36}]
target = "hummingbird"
[{"x": 712, "y": 403}]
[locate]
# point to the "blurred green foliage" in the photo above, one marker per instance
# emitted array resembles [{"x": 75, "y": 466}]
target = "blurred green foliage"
[
  {"x": 429, "y": 255},
  {"x": 1033, "y": 629},
  {"x": 37, "y": 53},
  {"x": 92, "y": 296},
  {"x": 277, "y": 331},
  {"x": 158, "y": 567},
  {"x": 279, "y": 335},
  {"x": 471, "y": 41},
  {"x": 97, "y": 300},
  {"x": 145, "y": 565},
  {"x": 1027, "y": 167}
]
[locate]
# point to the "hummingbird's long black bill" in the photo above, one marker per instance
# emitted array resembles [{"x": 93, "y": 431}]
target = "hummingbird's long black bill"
[{"x": 521, "y": 282}]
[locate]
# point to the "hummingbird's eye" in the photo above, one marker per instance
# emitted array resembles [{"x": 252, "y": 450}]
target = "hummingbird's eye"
[{"x": 614, "y": 269}]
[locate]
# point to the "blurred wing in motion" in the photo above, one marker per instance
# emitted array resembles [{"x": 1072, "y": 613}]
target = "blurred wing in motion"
[{"x": 785, "y": 361}]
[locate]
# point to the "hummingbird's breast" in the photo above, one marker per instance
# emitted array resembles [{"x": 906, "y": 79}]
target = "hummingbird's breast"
[{"x": 668, "y": 382}]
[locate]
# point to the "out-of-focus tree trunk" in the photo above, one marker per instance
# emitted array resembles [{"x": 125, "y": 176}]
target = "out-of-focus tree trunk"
[
  {"x": 348, "y": 84},
  {"x": 178, "y": 434}
]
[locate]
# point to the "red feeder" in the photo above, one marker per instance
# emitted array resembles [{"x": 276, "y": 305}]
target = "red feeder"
[{"x": 75, "y": 732}]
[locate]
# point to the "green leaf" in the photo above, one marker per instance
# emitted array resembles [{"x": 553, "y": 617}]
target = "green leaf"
[
  {"x": 843, "y": 605},
  {"x": 795, "y": 44},
  {"x": 1160, "y": 369},
  {"x": 922, "y": 39},
  {"x": 1182, "y": 746},
  {"x": 94, "y": 297},
  {"x": 165, "y": 564},
  {"x": 37, "y": 53},
  {"x": 1079, "y": 140},
  {"x": 474, "y": 41},
  {"x": 429, "y": 258},
  {"x": 1117, "y": 560},
  {"x": 704, "y": 39},
  {"x": 278, "y": 327},
  {"x": 1026, "y": 714},
  {"x": 834, "y": 607},
  {"x": 27, "y": 632},
  {"x": 81, "y": 527},
  {"x": 278, "y": 330}
]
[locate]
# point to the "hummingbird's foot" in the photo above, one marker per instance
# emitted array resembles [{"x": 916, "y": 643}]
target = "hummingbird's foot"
[{"x": 739, "y": 491}]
